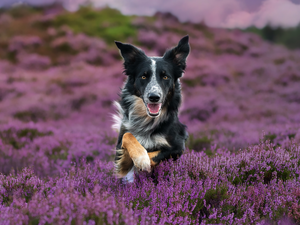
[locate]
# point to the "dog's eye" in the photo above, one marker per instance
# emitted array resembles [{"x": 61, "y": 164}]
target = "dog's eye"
[
  {"x": 144, "y": 77},
  {"x": 165, "y": 77}
]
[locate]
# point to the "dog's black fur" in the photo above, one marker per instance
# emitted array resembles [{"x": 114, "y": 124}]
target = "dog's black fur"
[{"x": 160, "y": 131}]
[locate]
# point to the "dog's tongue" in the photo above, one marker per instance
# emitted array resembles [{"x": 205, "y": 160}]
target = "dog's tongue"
[{"x": 154, "y": 108}]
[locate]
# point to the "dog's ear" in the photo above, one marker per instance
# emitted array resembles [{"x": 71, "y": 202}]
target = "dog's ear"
[
  {"x": 178, "y": 54},
  {"x": 130, "y": 53}
]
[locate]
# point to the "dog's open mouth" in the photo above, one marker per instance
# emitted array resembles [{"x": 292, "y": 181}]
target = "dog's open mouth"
[{"x": 153, "y": 109}]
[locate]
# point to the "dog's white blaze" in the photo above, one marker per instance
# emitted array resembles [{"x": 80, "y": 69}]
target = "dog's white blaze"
[
  {"x": 153, "y": 67},
  {"x": 153, "y": 86}
]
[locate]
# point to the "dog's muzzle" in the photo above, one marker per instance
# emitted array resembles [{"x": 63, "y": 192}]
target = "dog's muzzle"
[{"x": 153, "y": 104}]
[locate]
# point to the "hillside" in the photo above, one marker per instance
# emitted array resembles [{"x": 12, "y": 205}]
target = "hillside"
[{"x": 60, "y": 73}]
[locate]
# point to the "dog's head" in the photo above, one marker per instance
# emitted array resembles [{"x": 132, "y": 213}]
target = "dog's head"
[{"x": 153, "y": 78}]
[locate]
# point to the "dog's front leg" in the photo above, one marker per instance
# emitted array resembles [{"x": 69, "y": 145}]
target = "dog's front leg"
[
  {"x": 152, "y": 155},
  {"x": 137, "y": 152}
]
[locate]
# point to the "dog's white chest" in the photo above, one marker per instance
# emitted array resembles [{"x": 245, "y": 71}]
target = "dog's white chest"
[{"x": 153, "y": 141}]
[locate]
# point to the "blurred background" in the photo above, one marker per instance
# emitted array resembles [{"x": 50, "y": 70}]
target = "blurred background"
[{"x": 60, "y": 72}]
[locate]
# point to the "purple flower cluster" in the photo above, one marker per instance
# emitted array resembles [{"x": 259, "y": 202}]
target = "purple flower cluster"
[
  {"x": 241, "y": 106},
  {"x": 26, "y": 199},
  {"x": 259, "y": 184}
]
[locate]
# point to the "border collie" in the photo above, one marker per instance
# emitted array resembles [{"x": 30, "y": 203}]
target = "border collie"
[{"x": 147, "y": 118}]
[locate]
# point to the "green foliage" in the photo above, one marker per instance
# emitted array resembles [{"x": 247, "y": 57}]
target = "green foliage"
[
  {"x": 110, "y": 140},
  {"x": 107, "y": 23},
  {"x": 289, "y": 37},
  {"x": 13, "y": 184},
  {"x": 11, "y": 56},
  {"x": 201, "y": 175},
  {"x": 16, "y": 27},
  {"x": 59, "y": 152},
  {"x": 66, "y": 86},
  {"x": 246, "y": 177},
  {"x": 279, "y": 61},
  {"x": 36, "y": 115},
  {"x": 275, "y": 138},
  {"x": 290, "y": 136},
  {"x": 282, "y": 175},
  {"x": 21, "y": 11},
  {"x": 65, "y": 48},
  {"x": 76, "y": 104},
  {"x": 12, "y": 137},
  {"x": 200, "y": 143},
  {"x": 89, "y": 158},
  {"x": 7, "y": 200},
  {"x": 30, "y": 115},
  {"x": 34, "y": 221},
  {"x": 193, "y": 82},
  {"x": 270, "y": 137},
  {"x": 213, "y": 198}
]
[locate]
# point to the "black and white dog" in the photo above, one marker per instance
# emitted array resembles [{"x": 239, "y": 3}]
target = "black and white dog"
[{"x": 147, "y": 119}]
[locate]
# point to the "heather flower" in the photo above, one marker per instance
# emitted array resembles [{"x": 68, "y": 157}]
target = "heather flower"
[
  {"x": 19, "y": 43},
  {"x": 33, "y": 61},
  {"x": 241, "y": 107}
]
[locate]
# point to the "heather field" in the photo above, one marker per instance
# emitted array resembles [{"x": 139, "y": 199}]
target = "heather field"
[{"x": 59, "y": 75}]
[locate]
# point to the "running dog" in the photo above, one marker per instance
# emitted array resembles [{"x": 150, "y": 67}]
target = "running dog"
[{"x": 147, "y": 118}]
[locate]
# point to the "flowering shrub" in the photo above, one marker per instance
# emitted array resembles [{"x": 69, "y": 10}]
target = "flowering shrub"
[
  {"x": 258, "y": 184},
  {"x": 30, "y": 200},
  {"x": 241, "y": 106}
]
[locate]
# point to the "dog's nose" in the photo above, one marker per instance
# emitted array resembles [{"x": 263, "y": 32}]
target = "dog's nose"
[{"x": 153, "y": 97}]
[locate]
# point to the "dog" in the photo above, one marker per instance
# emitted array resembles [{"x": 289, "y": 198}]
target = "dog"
[{"x": 147, "y": 113}]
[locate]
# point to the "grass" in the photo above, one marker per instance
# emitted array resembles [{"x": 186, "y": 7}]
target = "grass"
[
  {"x": 200, "y": 143},
  {"x": 108, "y": 24}
]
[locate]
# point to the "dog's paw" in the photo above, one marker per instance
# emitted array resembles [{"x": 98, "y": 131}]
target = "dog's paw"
[{"x": 142, "y": 162}]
